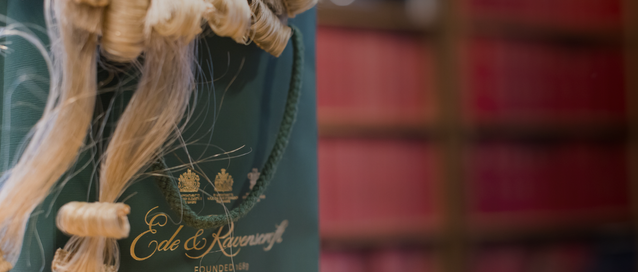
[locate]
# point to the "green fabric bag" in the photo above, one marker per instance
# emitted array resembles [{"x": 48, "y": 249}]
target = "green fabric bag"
[{"x": 239, "y": 108}]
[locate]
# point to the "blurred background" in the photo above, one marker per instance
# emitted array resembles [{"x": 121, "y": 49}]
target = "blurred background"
[{"x": 478, "y": 135}]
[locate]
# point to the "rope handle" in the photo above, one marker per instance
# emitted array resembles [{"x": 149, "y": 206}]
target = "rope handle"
[{"x": 171, "y": 191}]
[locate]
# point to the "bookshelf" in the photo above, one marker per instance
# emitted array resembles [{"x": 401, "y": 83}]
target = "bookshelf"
[
  {"x": 603, "y": 130},
  {"x": 455, "y": 230}
]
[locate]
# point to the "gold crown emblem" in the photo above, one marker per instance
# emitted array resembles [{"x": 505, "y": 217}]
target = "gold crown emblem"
[
  {"x": 224, "y": 181},
  {"x": 188, "y": 182}
]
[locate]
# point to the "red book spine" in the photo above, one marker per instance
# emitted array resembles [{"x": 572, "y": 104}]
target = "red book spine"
[
  {"x": 375, "y": 186},
  {"x": 372, "y": 76},
  {"x": 518, "y": 81},
  {"x": 582, "y": 180}
]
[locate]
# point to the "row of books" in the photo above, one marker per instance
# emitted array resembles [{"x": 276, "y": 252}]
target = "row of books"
[
  {"x": 518, "y": 79},
  {"x": 585, "y": 14},
  {"x": 395, "y": 183},
  {"x": 384, "y": 77},
  {"x": 373, "y": 75},
  {"x": 367, "y": 184},
  {"x": 569, "y": 176}
]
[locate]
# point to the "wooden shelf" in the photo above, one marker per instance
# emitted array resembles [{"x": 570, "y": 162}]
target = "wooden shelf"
[
  {"x": 527, "y": 227},
  {"x": 500, "y": 228},
  {"x": 509, "y": 27},
  {"x": 594, "y": 130},
  {"x": 347, "y": 129},
  {"x": 428, "y": 239},
  {"x": 631, "y": 60},
  {"x": 379, "y": 234},
  {"x": 533, "y": 130},
  {"x": 382, "y": 15},
  {"x": 550, "y": 234}
]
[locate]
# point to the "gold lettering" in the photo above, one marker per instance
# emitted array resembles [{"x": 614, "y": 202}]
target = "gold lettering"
[
  {"x": 277, "y": 237},
  {"x": 218, "y": 241},
  {"x": 222, "y": 267},
  {"x": 257, "y": 238},
  {"x": 194, "y": 241},
  {"x": 265, "y": 237},
  {"x": 252, "y": 241},
  {"x": 166, "y": 244},
  {"x": 133, "y": 254},
  {"x": 244, "y": 241},
  {"x": 229, "y": 245},
  {"x": 175, "y": 245},
  {"x": 228, "y": 242},
  {"x": 150, "y": 224},
  {"x": 236, "y": 241}
]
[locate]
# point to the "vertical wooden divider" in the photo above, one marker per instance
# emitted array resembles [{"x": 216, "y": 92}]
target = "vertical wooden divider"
[
  {"x": 631, "y": 74},
  {"x": 451, "y": 141}
]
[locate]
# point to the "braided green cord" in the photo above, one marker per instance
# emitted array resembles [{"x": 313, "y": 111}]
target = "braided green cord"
[{"x": 171, "y": 191}]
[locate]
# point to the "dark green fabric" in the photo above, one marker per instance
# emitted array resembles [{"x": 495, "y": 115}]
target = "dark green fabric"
[
  {"x": 3, "y": 10},
  {"x": 171, "y": 190},
  {"x": 240, "y": 104},
  {"x": 24, "y": 82}
]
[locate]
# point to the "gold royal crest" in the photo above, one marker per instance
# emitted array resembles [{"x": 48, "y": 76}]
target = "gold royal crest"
[
  {"x": 188, "y": 182},
  {"x": 224, "y": 181}
]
